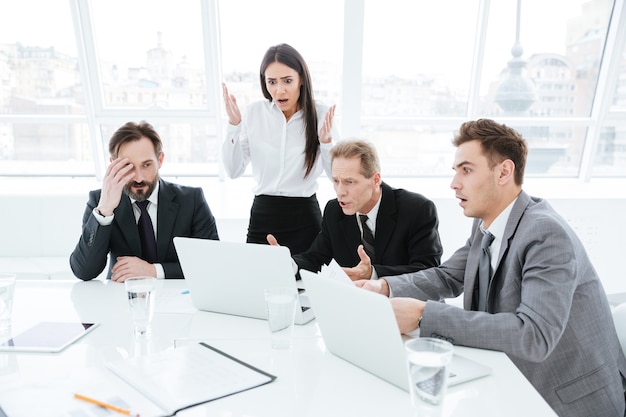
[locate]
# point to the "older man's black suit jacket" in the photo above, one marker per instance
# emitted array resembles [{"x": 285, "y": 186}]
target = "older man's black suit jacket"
[
  {"x": 406, "y": 236},
  {"x": 182, "y": 211}
]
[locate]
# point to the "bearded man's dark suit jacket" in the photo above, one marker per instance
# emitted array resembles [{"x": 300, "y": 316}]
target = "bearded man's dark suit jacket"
[
  {"x": 406, "y": 236},
  {"x": 181, "y": 211}
]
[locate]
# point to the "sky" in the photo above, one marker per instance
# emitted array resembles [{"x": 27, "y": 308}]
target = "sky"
[{"x": 394, "y": 41}]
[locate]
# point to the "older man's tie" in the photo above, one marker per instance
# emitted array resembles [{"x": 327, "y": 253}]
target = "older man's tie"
[
  {"x": 146, "y": 233},
  {"x": 368, "y": 237},
  {"x": 484, "y": 270}
]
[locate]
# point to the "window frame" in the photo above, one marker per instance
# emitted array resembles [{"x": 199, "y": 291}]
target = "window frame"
[{"x": 350, "y": 119}]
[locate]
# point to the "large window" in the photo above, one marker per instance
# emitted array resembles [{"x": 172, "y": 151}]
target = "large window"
[
  {"x": 403, "y": 73},
  {"x": 44, "y": 130},
  {"x": 146, "y": 57},
  {"x": 533, "y": 66},
  {"x": 249, "y": 28}
]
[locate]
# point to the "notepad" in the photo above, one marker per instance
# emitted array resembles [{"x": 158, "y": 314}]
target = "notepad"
[
  {"x": 188, "y": 376},
  {"x": 155, "y": 385}
]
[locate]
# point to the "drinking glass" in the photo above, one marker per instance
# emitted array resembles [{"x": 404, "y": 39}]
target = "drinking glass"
[
  {"x": 428, "y": 361},
  {"x": 140, "y": 292},
  {"x": 281, "y": 311},
  {"x": 7, "y": 288}
]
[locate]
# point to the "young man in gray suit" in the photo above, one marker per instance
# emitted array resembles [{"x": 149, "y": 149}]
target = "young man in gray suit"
[
  {"x": 542, "y": 302},
  {"x": 113, "y": 214}
]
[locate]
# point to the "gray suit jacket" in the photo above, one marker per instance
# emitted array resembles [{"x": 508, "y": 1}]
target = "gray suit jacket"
[
  {"x": 547, "y": 310},
  {"x": 182, "y": 211}
]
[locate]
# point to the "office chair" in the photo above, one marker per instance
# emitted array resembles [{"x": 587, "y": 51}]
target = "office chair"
[{"x": 619, "y": 318}]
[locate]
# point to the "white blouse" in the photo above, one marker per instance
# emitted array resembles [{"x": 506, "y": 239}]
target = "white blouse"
[{"x": 276, "y": 149}]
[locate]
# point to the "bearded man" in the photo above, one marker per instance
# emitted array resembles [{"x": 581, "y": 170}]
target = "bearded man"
[{"x": 135, "y": 216}]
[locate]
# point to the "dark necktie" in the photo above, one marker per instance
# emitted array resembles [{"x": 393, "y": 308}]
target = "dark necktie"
[
  {"x": 484, "y": 270},
  {"x": 368, "y": 237},
  {"x": 146, "y": 233}
]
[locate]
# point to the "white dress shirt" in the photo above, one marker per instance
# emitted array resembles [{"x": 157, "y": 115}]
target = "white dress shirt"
[
  {"x": 275, "y": 147},
  {"x": 497, "y": 230}
]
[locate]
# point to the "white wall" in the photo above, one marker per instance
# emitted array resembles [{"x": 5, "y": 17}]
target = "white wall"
[{"x": 43, "y": 218}]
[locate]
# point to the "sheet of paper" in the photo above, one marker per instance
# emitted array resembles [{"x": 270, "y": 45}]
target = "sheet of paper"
[{"x": 334, "y": 271}]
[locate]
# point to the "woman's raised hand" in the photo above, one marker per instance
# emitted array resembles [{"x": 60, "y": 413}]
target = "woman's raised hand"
[{"x": 234, "y": 115}]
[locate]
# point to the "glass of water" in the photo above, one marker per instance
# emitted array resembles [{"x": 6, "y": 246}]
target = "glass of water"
[
  {"x": 7, "y": 288},
  {"x": 281, "y": 310},
  {"x": 140, "y": 292},
  {"x": 428, "y": 360}
]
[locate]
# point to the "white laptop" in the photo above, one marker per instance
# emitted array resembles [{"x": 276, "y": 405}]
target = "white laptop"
[
  {"x": 230, "y": 277},
  {"x": 359, "y": 326}
]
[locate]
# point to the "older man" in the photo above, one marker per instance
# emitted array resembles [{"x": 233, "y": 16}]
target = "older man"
[{"x": 372, "y": 229}]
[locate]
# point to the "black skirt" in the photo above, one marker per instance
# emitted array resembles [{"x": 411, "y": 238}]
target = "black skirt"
[{"x": 294, "y": 221}]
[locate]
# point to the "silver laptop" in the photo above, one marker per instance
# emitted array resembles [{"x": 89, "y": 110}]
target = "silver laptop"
[
  {"x": 359, "y": 326},
  {"x": 230, "y": 277}
]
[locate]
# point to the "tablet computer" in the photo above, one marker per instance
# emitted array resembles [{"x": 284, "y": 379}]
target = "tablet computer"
[{"x": 47, "y": 336}]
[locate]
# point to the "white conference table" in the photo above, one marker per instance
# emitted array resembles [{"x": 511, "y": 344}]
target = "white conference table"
[{"x": 310, "y": 380}]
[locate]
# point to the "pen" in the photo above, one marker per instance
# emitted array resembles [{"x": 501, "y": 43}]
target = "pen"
[{"x": 105, "y": 405}]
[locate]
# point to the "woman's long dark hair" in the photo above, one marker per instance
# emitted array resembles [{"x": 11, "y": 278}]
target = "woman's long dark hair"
[{"x": 287, "y": 55}]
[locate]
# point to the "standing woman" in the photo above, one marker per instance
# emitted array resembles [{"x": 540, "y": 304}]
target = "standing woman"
[{"x": 287, "y": 138}]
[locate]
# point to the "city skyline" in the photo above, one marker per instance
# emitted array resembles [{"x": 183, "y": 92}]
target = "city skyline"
[{"x": 406, "y": 113}]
